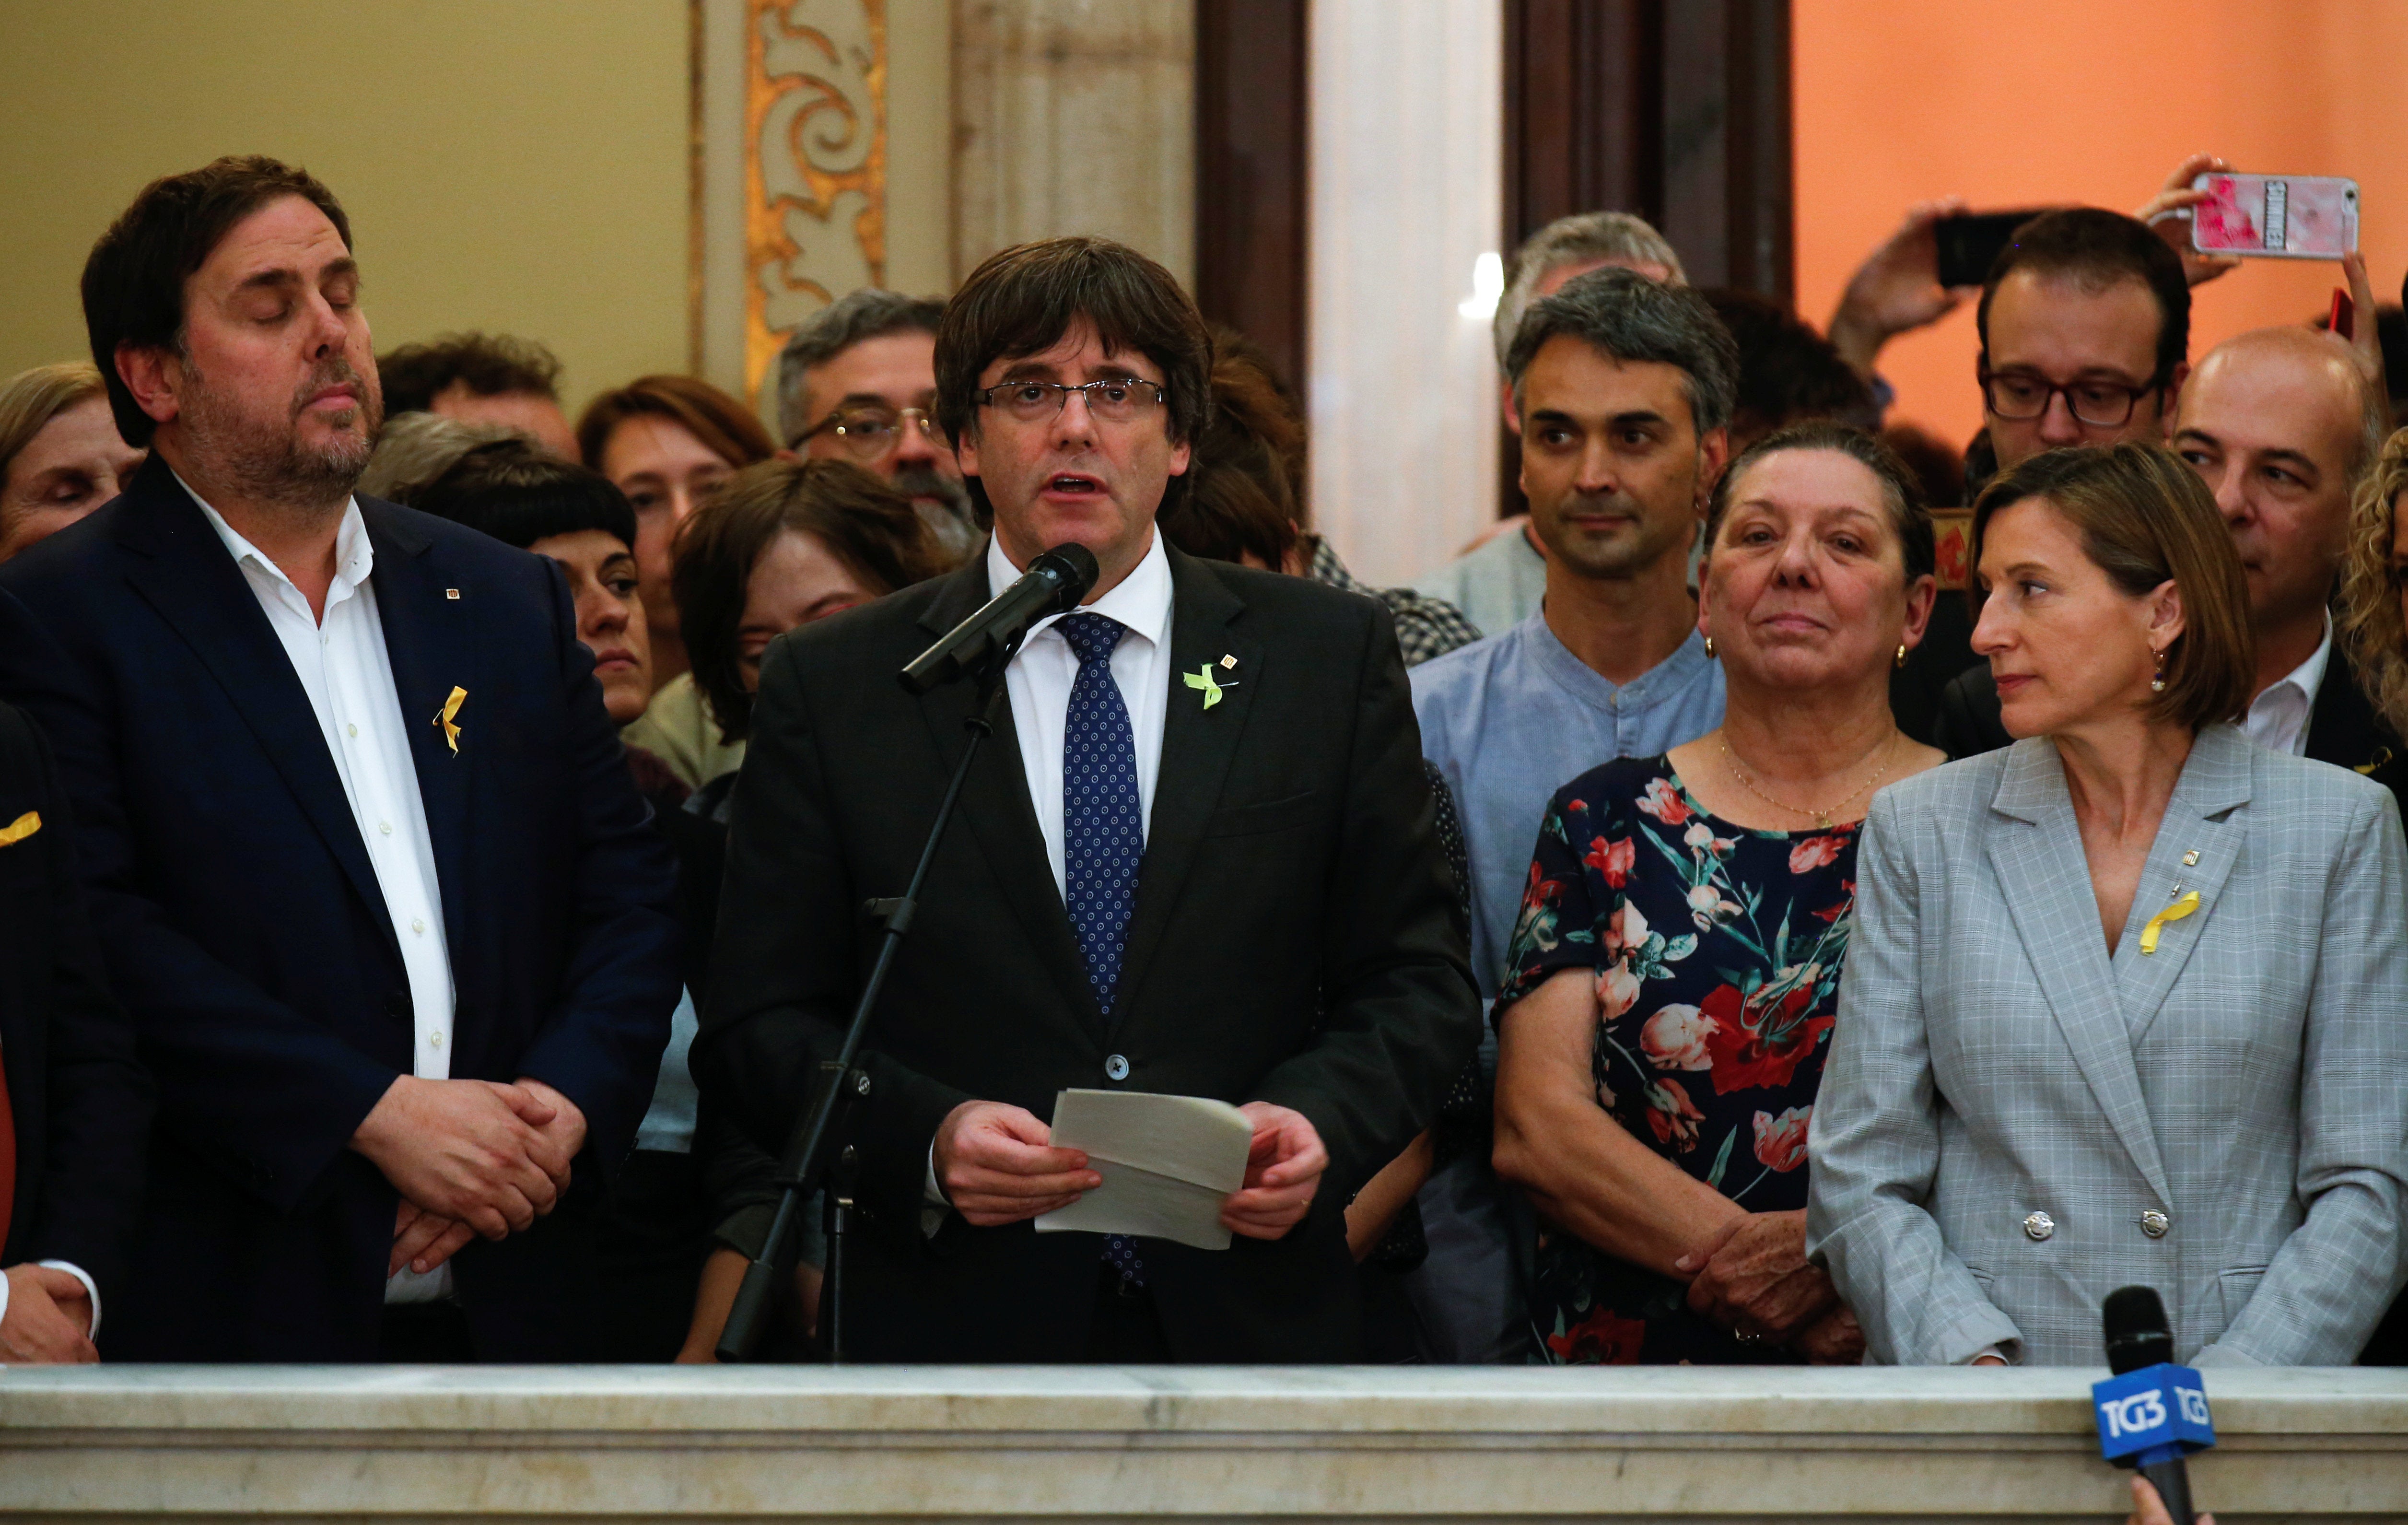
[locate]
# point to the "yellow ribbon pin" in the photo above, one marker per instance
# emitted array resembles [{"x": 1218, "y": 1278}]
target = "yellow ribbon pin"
[
  {"x": 22, "y": 827},
  {"x": 1203, "y": 678},
  {"x": 452, "y": 731},
  {"x": 2175, "y": 911}
]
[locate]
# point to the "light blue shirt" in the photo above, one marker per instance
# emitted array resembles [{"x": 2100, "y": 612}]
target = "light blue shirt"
[{"x": 1511, "y": 719}]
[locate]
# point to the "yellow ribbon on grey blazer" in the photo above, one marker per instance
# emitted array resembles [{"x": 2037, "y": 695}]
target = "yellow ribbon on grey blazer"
[{"x": 2175, "y": 911}]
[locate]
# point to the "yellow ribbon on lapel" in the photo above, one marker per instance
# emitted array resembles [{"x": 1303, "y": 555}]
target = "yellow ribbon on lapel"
[
  {"x": 452, "y": 731},
  {"x": 22, "y": 827},
  {"x": 2175, "y": 911}
]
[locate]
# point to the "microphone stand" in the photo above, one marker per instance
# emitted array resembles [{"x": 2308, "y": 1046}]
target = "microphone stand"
[{"x": 838, "y": 1088}]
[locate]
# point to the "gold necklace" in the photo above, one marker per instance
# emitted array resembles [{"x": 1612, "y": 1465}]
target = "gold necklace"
[{"x": 1822, "y": 817}]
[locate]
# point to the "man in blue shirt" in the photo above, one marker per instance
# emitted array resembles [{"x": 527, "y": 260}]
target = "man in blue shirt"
[{"x": 1624, "y": 387}]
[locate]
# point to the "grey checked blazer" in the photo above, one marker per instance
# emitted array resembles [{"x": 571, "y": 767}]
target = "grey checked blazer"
[{"x": 2249, "y": 1081}]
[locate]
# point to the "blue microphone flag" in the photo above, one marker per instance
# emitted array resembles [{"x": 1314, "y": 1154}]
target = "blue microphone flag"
[{"x": 2153, "y": 1415}]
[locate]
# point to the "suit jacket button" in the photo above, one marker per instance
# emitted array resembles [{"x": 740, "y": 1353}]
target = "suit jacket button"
[
  {"x": 1116, "y": 1068},
  {"x": 2155, "y": 1224},
  {"x": 2040, "y": 1225}
]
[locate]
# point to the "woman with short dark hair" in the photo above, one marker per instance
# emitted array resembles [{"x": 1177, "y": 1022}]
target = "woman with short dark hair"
[
  {"x": 782, "y": 545},
  {"x": 2123, "y": 1002}
]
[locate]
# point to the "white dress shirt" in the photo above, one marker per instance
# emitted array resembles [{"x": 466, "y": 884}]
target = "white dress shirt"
[
  {"x": 2278, "y": 718},
  {"x": 347, "y": 673},
  {"x": 1039, "y": 682}
]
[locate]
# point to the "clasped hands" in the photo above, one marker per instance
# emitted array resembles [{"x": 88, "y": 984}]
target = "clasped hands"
[
  {"x": 48, "y": 1322},
  {"x": 469, "y": 1157},
  {"x": 1753, "y": 1278},
  {"x": 997, "y": 1167}
]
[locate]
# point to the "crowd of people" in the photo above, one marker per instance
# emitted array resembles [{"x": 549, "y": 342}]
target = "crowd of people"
[{"x": 434, "y": 835}]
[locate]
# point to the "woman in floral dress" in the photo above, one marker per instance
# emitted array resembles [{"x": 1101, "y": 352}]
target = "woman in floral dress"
[{"x": 1667, "y": 1011}]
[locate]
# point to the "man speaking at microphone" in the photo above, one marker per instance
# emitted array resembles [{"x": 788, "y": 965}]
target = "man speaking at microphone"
[{"x": 1199, "y": 858}]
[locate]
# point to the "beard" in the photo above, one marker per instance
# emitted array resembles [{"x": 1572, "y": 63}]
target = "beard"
[
  {"x": 945, "y": 507},
  {"x": 927, "y": 482},
  {"x": 266, "y": 460}
]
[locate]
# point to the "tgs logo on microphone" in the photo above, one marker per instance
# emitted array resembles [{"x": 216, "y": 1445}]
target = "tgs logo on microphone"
[{"x": 2157, "y": 1407}]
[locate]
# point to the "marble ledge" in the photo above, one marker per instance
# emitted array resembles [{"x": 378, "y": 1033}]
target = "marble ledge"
[{"x": 958, "y": 1444}]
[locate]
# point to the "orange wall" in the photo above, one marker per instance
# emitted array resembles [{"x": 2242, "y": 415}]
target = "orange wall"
[{"x": 2015, "y": 103}]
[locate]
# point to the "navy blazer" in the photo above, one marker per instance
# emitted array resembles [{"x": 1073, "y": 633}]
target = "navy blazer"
[
  {"x": 81, "y": 1100},
  {"x": 244, "y": 929}
]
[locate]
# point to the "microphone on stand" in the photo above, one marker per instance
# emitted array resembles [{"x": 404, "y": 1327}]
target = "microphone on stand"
[
  {"x": 2152, "y": 1411},
  {"x": 1054, "y": 585}
]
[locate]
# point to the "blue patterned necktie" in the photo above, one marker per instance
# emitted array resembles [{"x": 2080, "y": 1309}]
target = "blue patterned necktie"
[{"x": 1103, "y": 831}]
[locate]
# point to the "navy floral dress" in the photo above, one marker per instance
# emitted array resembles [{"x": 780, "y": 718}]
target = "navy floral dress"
[{"x": 1716, "y": 950}]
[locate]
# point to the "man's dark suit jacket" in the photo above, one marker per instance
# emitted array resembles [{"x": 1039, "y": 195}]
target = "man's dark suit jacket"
[
  {"x": 81, "y": 1099},
  {"x": 2343, "y": 726},
  {"x": 1293, "y": 941},
  {"x": 244, "y": 930}
]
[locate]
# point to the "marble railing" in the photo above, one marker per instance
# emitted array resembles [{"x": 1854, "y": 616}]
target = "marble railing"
[{"x": 964, "y": 1445}]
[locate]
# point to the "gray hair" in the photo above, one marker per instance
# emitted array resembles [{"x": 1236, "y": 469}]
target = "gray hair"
[
  {"x": 1580, "y": 239},
  {"x": 414, "y": 449},
  {"x": 871, "y": 312},
  {"x": 1622, "y": 313}
]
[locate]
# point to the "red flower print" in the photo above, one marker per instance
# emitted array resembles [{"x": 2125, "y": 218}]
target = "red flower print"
[
  {"x": 1754, "y": 1046},
  {"x": 1603, "y": 1338},
  {"x": 1814, "y": 852},
  {"x": 1671, "y": 1116},
  {"x": 1613, "y": 859},
  {"x": 1664, "y": 802},
  {"x": 1780, "y": 1142}
]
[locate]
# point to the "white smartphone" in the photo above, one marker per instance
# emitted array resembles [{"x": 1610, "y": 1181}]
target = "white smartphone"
[{"x": 2276, "y": 216}]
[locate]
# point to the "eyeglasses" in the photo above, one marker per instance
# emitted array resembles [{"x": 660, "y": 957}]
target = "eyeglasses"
[
  {"x": 1115, "y": 401},
  {"x": 872, "y": 434},
  {"x": 2019, "y": 396}
]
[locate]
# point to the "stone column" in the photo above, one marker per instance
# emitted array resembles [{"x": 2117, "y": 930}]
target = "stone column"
[
  {"x": 1074, "y": 116},
  {"x": 1407, "y": 175}
]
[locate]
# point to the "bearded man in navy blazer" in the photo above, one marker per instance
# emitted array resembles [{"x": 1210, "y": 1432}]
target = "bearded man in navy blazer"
[
  {"x": 365, "y": 860},
  {"x": 1199, "y": 858}
]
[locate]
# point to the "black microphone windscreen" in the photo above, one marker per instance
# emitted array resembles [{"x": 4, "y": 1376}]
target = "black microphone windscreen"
[
  {"x": 1078, "y": 568},
  {"x": 2137, "y": 1334}
]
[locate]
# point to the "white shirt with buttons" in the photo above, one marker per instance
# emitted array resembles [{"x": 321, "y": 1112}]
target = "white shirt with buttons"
[
  {"x": 347, "y": 673},
  {"x": 1039, "y": 682}
]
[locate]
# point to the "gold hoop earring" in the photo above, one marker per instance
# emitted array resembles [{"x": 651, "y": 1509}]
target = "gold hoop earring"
[
  {"x": 1901, "y": 654},
  {"x": 1710, "y": 648},
  {"x": 2157, "y": 683}
]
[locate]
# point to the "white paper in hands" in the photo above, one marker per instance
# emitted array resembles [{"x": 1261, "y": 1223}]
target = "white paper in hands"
[{"x": 1167, "y": 1163}]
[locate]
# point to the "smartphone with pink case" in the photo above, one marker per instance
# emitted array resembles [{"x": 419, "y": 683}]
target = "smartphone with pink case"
[{"x": 2276, "y": 216}]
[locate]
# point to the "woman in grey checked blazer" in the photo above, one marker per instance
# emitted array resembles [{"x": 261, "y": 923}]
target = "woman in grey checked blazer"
[{"x": 2123, "y": 1005}]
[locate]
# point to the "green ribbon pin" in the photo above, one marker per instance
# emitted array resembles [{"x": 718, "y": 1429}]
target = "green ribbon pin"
[{"x": 1202, "y": 678}]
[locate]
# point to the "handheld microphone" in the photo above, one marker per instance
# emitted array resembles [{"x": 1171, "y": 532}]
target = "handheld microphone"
[
  {"x": 2152, "y": 1411},
  {"x": 1054, "y": 585}
]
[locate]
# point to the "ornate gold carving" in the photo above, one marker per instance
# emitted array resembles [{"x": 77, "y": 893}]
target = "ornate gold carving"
[{"x": 814, "y": 162}]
